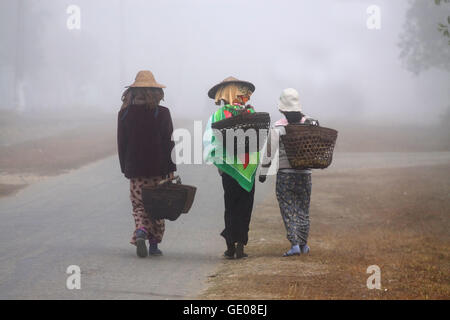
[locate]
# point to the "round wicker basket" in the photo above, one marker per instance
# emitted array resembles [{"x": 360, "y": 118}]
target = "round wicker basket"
[
  {"x": 245, "y": 121},
  {"x": 309, "y": 147}
]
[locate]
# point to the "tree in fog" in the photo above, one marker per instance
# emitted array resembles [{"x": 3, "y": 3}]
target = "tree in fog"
[
  {"x": 19, "y": 56},
  {"x": 27, "y": 26},
  {"x": 444, "y": 28},
  {"x": 425, "y": 41}
]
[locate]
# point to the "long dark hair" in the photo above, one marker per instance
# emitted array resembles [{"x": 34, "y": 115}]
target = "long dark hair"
[{"x": 150, "y": 97}]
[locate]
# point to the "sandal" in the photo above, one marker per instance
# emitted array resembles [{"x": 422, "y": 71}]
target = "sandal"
[
  {"x": 231, "y": 250},
  {"x": 290, "y": 254},
  {"x": 153, "y": 250},
  {"x": 240, "y": 251},
  {"x": 228, "y": 254},
  {"x": 141, "y": 247},
  {"x": 295, "y": 251}
]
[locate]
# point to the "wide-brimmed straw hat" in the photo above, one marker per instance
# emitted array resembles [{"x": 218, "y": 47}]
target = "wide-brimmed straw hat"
[
  {"x": 289, "y": 101},
  {"x": 213, "y": 90},
  {"x": 145, "y": 79}
]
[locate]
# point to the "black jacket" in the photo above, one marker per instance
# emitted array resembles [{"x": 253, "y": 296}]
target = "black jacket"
[{"x": 144, "y": 138}]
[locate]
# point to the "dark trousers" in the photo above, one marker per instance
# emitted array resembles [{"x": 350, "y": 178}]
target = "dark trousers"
[{"x": 238, "y": 210}]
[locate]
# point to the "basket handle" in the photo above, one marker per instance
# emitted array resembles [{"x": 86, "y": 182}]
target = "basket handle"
[{"x": 170, "y": 179}]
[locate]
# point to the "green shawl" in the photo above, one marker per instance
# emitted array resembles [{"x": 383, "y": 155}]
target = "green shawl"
[{"x": 244, "y": 175}]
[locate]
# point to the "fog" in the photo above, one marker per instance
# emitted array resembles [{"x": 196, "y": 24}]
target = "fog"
[
  {"x": 377, "y": 71},
  {"x": 342, "y": 69}
]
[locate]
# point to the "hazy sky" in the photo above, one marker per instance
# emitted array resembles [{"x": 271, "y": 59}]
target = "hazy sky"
[{"x": 322, "y": 48}]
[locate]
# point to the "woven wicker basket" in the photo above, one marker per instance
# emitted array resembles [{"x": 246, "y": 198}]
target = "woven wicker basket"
[
  {"x": 168, "y": 200},
  {"x": 245, "y": 121},
  {"x": 309, "y": 146}
]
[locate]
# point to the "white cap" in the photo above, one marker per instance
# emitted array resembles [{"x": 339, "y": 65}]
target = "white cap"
[{"x": 289, "y": 101}]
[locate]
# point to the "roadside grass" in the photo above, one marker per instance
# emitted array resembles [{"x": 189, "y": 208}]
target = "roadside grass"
[{"x": 397, "y": 219}]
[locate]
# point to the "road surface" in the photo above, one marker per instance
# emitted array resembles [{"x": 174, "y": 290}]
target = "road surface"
[{"x": 84, "y": 218}]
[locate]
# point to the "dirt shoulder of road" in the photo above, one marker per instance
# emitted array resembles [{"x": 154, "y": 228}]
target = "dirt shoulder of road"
[
  {"x": 27, "y": 162},
  {"x": 397, "y": 219},
  {"x": 24, "y": 163}
]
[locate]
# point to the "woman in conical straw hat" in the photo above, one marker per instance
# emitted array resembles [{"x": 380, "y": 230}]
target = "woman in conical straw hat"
[
  {"x": 144, "y": 136},
  {"x": 293, "y": 187},
  {"x": 237, "y": 171}
]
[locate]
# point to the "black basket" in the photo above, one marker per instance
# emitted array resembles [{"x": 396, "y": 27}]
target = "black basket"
[
  {"x": 245, "y": 121},
  {"x": 309, "y": 146},
  {"x": 168, "y": 200}
]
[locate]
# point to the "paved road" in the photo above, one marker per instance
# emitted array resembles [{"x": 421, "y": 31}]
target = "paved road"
[{"x": 83, "y": 218}]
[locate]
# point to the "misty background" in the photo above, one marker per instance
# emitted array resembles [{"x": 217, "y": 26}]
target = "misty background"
[
  {"x": 345, "y": 72},
  {"x": 386, "y": 194}
]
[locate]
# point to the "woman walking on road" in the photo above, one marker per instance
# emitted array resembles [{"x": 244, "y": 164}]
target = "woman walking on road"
[
  {"x": 237, "y": 171},
  {"x": 144, "y": 137},
  {"x": 293, "y": 187}
]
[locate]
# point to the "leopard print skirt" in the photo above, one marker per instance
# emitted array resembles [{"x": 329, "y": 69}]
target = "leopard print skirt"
[{"x": 153, "y": 228}]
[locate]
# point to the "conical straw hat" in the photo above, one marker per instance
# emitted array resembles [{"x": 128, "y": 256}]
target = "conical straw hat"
[
  {"x": 145, "y": 79},
  {"x": 213, "y": 90}
]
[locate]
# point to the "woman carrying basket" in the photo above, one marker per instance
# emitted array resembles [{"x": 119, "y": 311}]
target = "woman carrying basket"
[
  {"x": 293, "y": 186},
  {"x": 144, "y": 136},
  {"x": 237, "y": 171}
]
